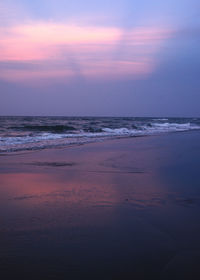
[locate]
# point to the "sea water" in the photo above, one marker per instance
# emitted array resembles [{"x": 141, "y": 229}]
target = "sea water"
[{"x": 31, "y": 133}]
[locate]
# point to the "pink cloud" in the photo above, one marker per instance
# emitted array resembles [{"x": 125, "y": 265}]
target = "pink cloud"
[{"x": 92, "y": 51}]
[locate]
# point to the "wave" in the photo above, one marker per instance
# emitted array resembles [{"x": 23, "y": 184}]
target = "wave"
[
  {"x": 172, "y": 126},
  {"x": 152, "y": 128},
  {"x": 59, "y": 135},
  {"x": 51, "y": 128},
  {"x": 162, "y": 119}
]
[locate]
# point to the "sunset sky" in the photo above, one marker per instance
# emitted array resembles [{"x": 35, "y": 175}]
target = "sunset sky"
[{"x": 100, "y": 58}]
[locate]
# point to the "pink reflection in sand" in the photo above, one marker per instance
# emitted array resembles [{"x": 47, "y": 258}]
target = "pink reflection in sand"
[
  {"x": 63, "y": 50},
  {"x": 43, "y": 200},
  {"x": 71, "y": 189}
]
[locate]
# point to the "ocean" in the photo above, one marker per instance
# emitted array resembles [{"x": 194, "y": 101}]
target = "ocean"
[{"x": 33, "y": 133}]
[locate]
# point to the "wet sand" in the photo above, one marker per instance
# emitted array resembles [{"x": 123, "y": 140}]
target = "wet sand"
[{"x": 120, "y": 209}]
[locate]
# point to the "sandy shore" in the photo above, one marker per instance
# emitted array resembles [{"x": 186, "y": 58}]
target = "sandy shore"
[{"x": 120, "y": 209}]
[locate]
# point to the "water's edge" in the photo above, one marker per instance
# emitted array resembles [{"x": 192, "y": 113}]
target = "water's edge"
[{"x": 33, "y": 133}]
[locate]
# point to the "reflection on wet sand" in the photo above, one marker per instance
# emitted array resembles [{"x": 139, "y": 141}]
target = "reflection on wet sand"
[{"x": 103, "y": 211}]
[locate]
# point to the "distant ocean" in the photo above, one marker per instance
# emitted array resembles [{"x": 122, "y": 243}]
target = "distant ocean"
[{"x": 32, "y": 133}]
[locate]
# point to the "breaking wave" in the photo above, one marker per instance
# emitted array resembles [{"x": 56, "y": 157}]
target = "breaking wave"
[{"x": 18, "y": 134}]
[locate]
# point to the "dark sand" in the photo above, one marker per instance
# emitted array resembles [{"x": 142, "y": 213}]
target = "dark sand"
[{"x": 121, "y": 209}]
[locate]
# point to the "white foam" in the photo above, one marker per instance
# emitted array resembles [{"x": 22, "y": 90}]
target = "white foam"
[
  {"x": 50, "y": 139},
  {"x": 160, "y": 119},
  {"x": 173, "y": 126},
  {"x": 118, "y": 131}
]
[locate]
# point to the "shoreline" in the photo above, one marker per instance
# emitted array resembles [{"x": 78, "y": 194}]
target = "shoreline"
[
  {"x": 65, "y": 146},
  {"x": 20, "y": 134}
]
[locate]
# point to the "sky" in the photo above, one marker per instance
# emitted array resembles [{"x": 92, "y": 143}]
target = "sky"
[{"x": 100, "y": 58}]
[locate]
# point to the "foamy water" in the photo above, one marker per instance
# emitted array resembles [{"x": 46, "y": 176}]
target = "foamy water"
[{"x": 30, "y": 133}]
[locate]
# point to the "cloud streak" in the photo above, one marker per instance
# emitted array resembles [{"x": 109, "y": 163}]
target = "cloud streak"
[{"x": 66, "y": 50}]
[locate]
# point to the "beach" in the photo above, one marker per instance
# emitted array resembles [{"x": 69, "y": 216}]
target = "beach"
[{"x": 118, "y": 209}]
